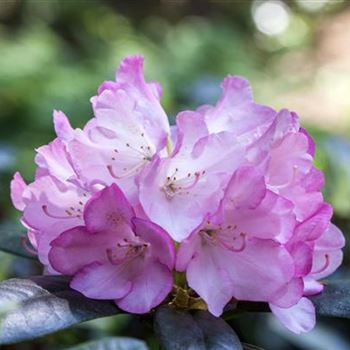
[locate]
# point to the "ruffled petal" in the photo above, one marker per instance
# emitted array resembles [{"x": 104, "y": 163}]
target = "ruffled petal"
[
  {"x": 63, "y": 129},
  {"x": 288, "y": 160},
  {"x": 272, "y": 218},
  {"x": 17, "y": 188},
  {"x": 237, "y": 113},
  {"x": 331, "y": 239},
  {"x": 54, "y": 158},
  {"x": 190, "y": 127},
  {"x": 313, "y": 227}
]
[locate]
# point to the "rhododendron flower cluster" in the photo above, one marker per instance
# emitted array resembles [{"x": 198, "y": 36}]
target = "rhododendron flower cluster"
[{"x": 229, "y": 197}]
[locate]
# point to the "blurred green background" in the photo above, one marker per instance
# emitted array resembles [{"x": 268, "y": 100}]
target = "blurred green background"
[{"x": 54, "y": 54}]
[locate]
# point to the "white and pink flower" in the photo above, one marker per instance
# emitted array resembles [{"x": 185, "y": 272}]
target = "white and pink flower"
[{"x": 236, "y": 193}]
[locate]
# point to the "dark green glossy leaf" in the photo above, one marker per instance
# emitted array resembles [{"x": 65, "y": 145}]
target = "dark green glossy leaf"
[
  {"x": 11, "y": 236},
  {"x": 41, "y": 305},
  {"x": 334, "y": 301},
  {"x": 180, "y": 330},
  {"x": 112, "y": 343}
]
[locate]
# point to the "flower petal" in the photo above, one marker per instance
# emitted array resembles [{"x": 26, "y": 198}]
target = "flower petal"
[
  {"x": 289, "y": 159},
  {"x": 55, "y": 159},
  {"x": 209, "y": 278},
  {"x": 246, "y": 189},
  {"x": 150, "y": 286},
  {"x": 312, "y": 287},
  {"x": 161, "y": 245},
  {"x": 108, "y": 209},
  {"x": 262, "y": 263},
  {"x": 190, "y": 127},
  {"x": 103, "y": 281},
  {"x": 331, "y": 239},
  {"x": 77, "y": 248},
  {"x": 299, "y": 318},
  {"x": 237, "y": 113},
  {"x": 325, "y": 263},
  {"x": 187, "y": 251},
  {"x": 289, "y": 294},
  {"x": 314, "y": 226},
  {"x": 272, "y": 218},
  {"x": 180, "y": 214},
  {"x": 17, "y": 188},
  {"x": 63, "y": 129},
  {"x": 302, "y": 255}
]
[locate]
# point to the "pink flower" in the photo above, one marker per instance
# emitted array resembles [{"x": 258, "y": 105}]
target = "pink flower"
[
  {"x": 316, "y": 249},
  {"x": 236, "y": 251},
  {"x": 178, "y": 191},
  {"x": 116, "y": 255},
  {"x": 50, "y": 207},
  {"x": 234, "y": 184},
  {"x": 282, "y": 153},
  {"x": 129, "y": 129},
  {"x": 65, "y": 176},
  {"x": 55, "y": 201}
]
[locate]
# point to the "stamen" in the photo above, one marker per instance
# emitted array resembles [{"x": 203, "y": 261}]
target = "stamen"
[
  {"x": 209, "y": 236},
  {"x": 242, "y": 236},
  {"x": 196, "y": 179},
  {"x": 125, "y": 252},
  {"x": 171, "y": 188},
  {"x": 127, "y": 173},
  {"x": 325, "y": 265},
  {"x": 145, "y": 155},
  {"x": 45, "y": 210}
]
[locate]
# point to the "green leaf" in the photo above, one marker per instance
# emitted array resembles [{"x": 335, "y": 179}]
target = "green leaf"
[
  {"x": 112, "y": 343},
  {"x": 334, "y": 301},
  {"x": 11, "y": 236},
  {"x": 41, "y": 305},
  {"x": 181, "y": 330}
]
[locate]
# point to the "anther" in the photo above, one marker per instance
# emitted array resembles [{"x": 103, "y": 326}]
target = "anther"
[{"x": 45, "y": 210}]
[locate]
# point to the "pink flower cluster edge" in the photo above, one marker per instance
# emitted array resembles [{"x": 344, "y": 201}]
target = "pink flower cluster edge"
[{"x": 232, "y": 186}]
